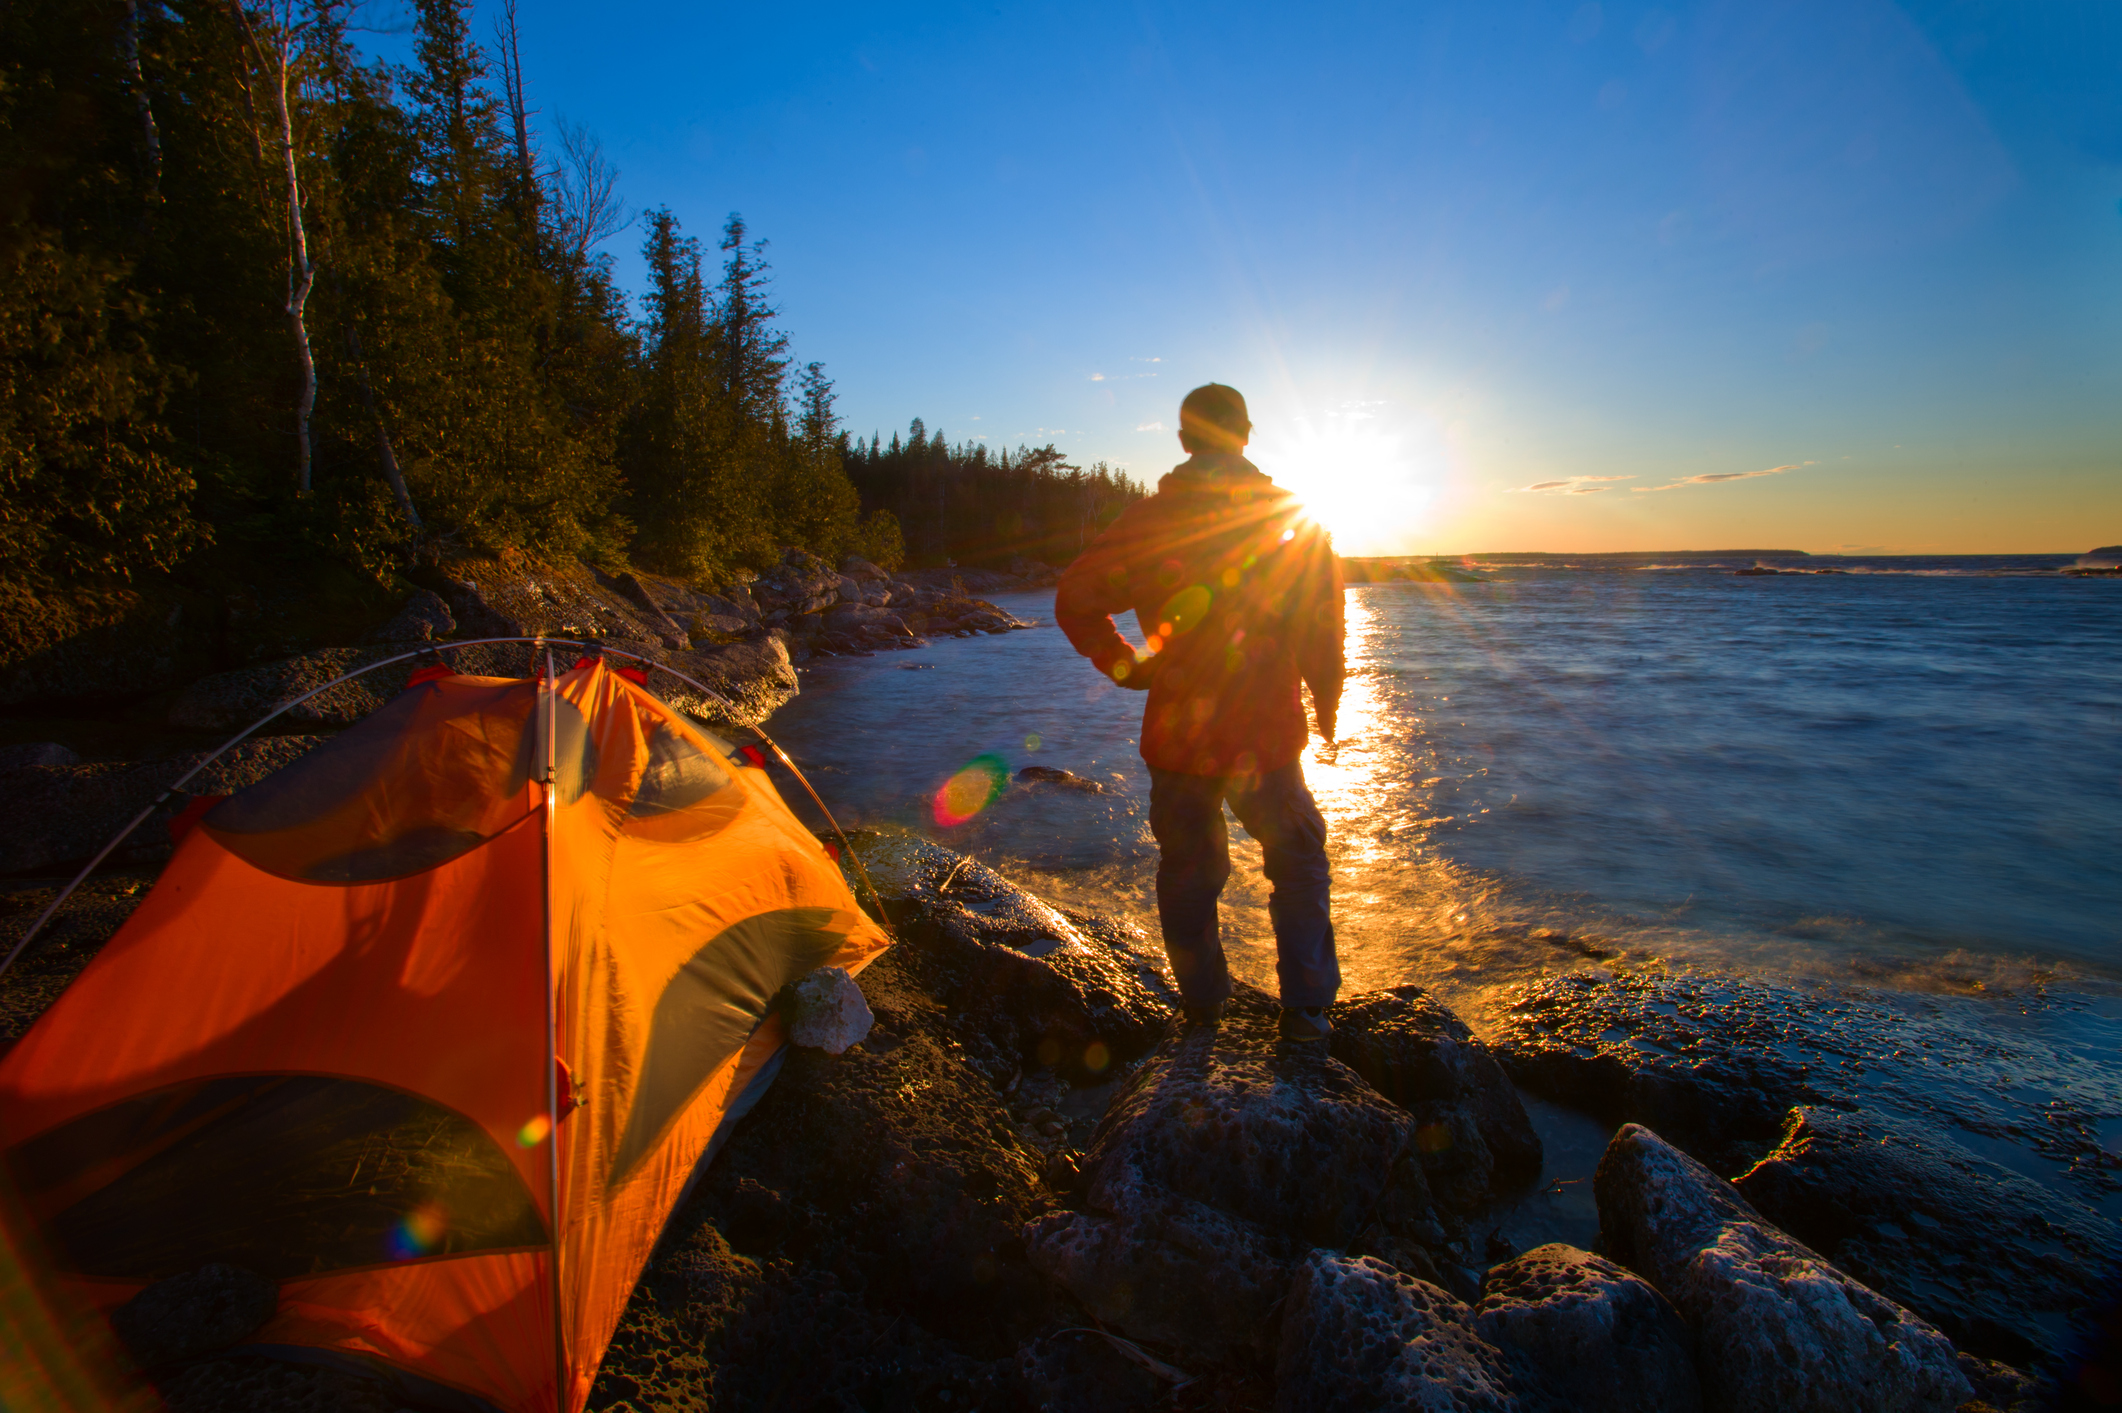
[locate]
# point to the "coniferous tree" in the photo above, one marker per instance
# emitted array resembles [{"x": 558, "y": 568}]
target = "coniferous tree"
[{"x": 272, "y": 313}]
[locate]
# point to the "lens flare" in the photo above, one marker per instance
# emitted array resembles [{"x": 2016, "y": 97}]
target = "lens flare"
[
  {"x": 418, "y": 1232},
  {"x": 971, "y": 790},
  {"x": 533, "y": 1132}
]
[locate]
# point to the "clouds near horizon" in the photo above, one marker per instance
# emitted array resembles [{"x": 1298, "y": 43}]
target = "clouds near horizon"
[
  {"x": 1710, "y": 478},
  {"x": 1571, "y": 486}
]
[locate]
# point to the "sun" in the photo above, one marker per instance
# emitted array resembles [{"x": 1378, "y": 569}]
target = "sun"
[{"x": 1368, "y": 485}]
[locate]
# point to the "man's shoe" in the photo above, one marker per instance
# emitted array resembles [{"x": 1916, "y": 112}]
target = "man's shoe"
[
  {"x": 1199, "y": 1016},
  {"x": 1305, "y": 1025}
]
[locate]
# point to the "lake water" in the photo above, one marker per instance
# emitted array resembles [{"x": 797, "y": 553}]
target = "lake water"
[{"x": 1908, "y": 775}]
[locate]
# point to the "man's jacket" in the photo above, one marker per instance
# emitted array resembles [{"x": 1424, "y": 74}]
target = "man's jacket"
[{"x": 1239, "y": 596}]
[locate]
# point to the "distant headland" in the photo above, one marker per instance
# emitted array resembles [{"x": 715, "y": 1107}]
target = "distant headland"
[{"x": 1523, "y": 556}]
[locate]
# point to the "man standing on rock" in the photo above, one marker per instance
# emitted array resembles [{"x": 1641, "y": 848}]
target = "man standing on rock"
[{"x": 1239, "y": 595}]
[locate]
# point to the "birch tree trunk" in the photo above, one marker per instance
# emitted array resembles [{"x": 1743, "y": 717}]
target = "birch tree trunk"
[
  {"x": 301, "y": 273},
  {"x": 130, "y": 53},
  {"x": 386, "y": 454}
]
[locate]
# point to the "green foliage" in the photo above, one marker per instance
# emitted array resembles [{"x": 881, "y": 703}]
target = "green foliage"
[
  {"x": 480, "y": 385},
  {"x": 88, "y": 491},
  {"x": 878, "y": 540},
  {"x": 969, "y": 506}
]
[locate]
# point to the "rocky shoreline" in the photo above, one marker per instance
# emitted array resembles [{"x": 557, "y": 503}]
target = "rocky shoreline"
[
  {"x": 1028, "y": 1188},
  {"x": 745, "y": 644}
]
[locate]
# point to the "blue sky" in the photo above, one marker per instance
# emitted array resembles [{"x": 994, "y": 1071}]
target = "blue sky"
[{"x": 1860, "y": 263}]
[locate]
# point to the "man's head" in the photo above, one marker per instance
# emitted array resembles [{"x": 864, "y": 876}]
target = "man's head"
[{"x": 1213, "y": 418}]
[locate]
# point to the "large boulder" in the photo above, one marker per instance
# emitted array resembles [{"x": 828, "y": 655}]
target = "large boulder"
[
  {"x": 1777, "y": 1328},
  {"x": 1999, "y": 1263},
  {"x": 520, "y": 598},
  {"x": 1588, "y": 1335},
  {"x": 1472, "y": 1130},
  {"x": 750, "y": 680},
  {"x": 1225, "y": 1157},
  {"x": 855, "y": 566},
  {"x": 1359, "y": 1334},
  {"x": 59, "y": 816},
  {"x": 800, "y": 584},
  {"x": 1035, "y": 989},
  {"x": 424, "y": 617}
]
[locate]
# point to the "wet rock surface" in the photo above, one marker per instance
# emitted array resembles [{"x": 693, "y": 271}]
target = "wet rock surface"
[
  {"x": 1034, "y": 775},
  {"x": 1995, "y": 1261},
  {"x": 1715, "y": 1064},
  {"x": 1471, "y": 1128},
  {"x": 1777, "y": 1329}
]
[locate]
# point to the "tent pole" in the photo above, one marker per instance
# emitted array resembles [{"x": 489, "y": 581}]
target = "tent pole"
[{"x": 548, "y": 728}]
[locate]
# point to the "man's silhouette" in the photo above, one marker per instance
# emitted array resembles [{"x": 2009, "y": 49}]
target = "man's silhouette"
[{"x": 1239, "y": 596}]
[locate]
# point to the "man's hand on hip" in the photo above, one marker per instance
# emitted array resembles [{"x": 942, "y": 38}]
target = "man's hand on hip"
[{"x": 1135, "y": 674}]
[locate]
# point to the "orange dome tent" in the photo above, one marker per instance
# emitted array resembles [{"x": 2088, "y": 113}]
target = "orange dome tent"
[{"x": 432, "y": 1027}]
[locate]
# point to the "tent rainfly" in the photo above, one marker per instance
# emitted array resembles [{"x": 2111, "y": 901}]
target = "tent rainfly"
[{"x": 432, "y": 1027}]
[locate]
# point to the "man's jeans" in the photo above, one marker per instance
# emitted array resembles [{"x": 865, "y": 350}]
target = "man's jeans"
[{"x": 1186, "y": 815}]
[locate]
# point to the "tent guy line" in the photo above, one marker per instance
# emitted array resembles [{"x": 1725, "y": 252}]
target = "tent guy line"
[{"x": 538, "y": 644}]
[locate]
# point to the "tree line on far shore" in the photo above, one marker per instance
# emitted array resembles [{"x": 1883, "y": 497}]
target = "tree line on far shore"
[
  {"x": 967, "y": 505},
  {"x": 267, "y": 307}
]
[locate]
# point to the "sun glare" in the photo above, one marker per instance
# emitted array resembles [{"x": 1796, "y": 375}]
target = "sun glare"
[{"x": 1367, "y": 485}]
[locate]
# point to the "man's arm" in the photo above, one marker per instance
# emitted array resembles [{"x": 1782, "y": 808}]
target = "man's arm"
[
  {"x": 1319, "y": 641},
  {"x": 1092, "y": 590}
]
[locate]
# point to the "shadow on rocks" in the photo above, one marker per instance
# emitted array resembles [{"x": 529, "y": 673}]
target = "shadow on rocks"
[
  {"x": 856, "y": 1243},
  {"x": 1471, "y": 1129},
  {"x": 1222, "y": 1161}
]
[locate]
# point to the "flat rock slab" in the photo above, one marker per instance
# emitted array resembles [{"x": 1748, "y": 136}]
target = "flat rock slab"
[
  {"x": 1777, "y": 1328},
  {"x": 1715, "y": 1064},
  {"x": 1998, "y": 1263},
  {"x": 1471, "y": 1129},
  {"x": 1225, "y": 1158}
]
